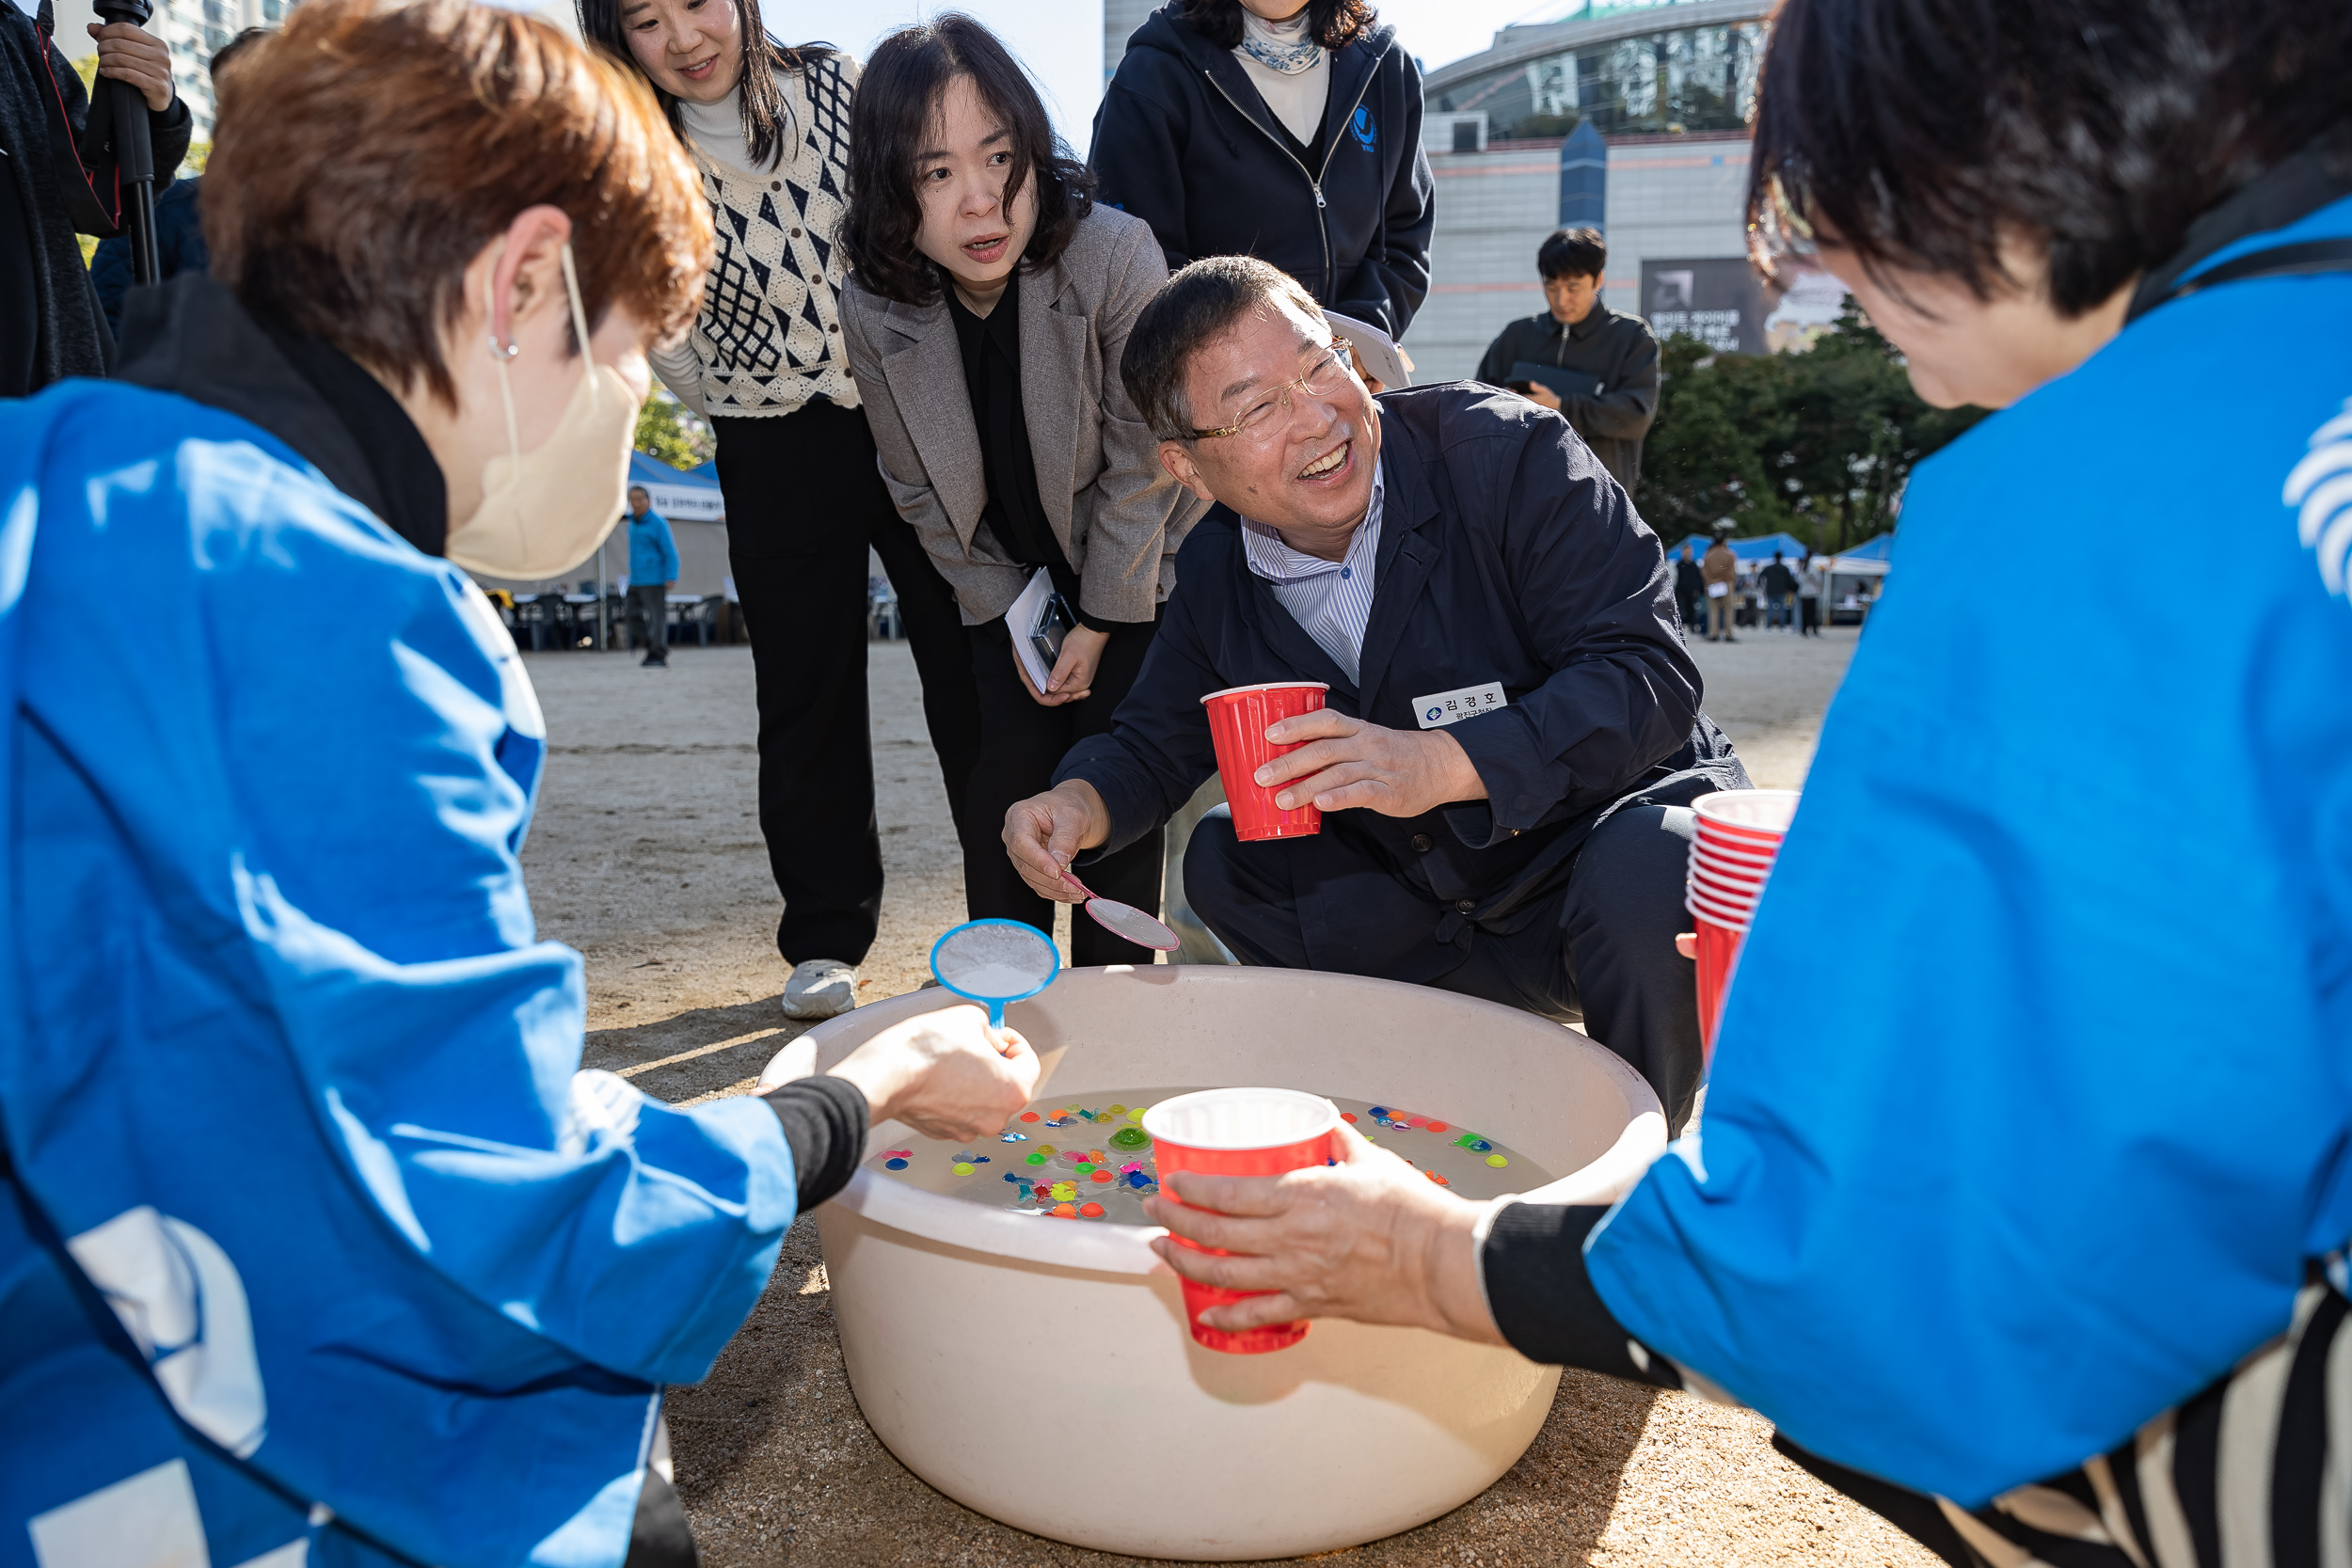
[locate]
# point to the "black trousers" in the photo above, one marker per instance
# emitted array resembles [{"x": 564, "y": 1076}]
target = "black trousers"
[
  {"x": 1603, "y": 953},
  {"x": 1810, "y": 608},
  {"x": 1020, "y": 743},
  {"x": 804, "y": 501}
]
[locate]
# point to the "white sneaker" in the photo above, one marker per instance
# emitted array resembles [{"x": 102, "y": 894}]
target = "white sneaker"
[{"x": 819, "y": 989}]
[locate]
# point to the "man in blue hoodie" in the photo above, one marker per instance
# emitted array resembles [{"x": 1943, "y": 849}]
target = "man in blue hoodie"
[{"x": 652, "y": 573}]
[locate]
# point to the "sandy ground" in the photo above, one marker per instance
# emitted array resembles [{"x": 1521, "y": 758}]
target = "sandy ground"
[{"x": 647, "y": 856}]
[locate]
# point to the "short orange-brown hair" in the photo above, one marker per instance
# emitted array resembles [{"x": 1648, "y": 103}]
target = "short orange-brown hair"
[{"x": 365, "y": 154}]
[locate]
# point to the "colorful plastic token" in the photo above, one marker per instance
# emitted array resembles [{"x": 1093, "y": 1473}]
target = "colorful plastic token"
[
  {"x": 1135, "y": 1113},
  {"x": 1082, "y": 1169},
  {"x": 1104, "y": 1176},
  {"x": 1116, "y": 1110},
  {"x": 1029, "y": 1116},
  {"x": 1137, "y": 1180},
  {"x": 1065, "y": 1211},
  {"x": 1347, "y": 1115},
  {"x": 894, "y": 1165},
  {"x": 1437, "y": 1126},
  {"x": 1064, "y": 1190},
  {"x": 1014, "y": 1138},
  {"x": 1439, "y": 1179},
  {"x": 1039, "y": 1158},
  {"x": 1416, "y": 1121},
  {"x": 1091, "y": 1210},
  {"x": 1130, "y": 1138},
  {"x": 1497, "y": 1161},
  {"x": 1009, "y": 1177},
  {"x": 963, "y": 1168},
  {"x": 1379, "y": 1110}
]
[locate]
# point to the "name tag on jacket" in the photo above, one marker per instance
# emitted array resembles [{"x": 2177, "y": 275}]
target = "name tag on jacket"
[{"x": 1451, "y": 707}]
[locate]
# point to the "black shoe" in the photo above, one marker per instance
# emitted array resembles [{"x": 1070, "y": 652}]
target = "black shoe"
[
  {"x": 649, "y": 662},
  {"x": 1729, "y": 638}
]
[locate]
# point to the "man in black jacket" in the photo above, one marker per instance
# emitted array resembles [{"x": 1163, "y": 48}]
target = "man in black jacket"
[
  {"x": 1531, "y": 853},
  {"x": 1691, "y": 592},
  {"x": 57, "y": 177},
  {"x": 178, "y": 221},
  {"x": 1187, "y": 143},
  {"x": 1597, "y": 367}
]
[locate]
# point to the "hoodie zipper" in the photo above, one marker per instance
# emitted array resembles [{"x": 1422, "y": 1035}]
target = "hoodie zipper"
[{"x": 1314, "y": 182}]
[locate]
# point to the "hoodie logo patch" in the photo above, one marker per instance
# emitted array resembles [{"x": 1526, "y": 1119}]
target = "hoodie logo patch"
[
  {"x": 2320, "y": 488},
  {"x": 1366, "y": 133}
]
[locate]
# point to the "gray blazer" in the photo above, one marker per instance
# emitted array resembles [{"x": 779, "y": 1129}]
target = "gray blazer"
[{"x": 1118, "y": 515}]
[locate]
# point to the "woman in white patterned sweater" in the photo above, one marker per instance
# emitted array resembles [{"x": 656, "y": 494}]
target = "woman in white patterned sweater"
[{"x": 768, "y": 129}]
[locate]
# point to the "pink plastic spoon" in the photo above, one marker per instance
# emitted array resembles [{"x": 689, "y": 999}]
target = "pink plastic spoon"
[{"x": 1125, "y": 920}]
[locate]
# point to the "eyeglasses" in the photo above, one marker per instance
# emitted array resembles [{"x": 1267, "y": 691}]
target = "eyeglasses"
[{"x": 1326, "y": 375}]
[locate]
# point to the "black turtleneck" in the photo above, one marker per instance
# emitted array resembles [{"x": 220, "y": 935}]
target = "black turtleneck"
[{"x": 191, "y": 336}]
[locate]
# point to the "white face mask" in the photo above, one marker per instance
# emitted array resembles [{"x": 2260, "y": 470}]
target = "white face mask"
[{"x": 544, "y": 511}]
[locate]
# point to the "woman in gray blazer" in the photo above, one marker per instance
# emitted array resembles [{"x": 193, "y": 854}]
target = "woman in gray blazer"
[{"x": 988, "y": 305}]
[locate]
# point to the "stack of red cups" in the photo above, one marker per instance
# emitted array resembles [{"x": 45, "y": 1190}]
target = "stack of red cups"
[{"x": 1731, "y": 854}]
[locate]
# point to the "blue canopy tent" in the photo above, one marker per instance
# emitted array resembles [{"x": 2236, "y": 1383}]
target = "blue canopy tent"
[
  {"x": 692, "y": 494},
  {"x": 1879, "y": 549},
  {"x": 1759, "y": 548}
]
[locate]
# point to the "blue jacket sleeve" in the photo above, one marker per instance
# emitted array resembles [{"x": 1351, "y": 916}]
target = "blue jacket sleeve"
[
  {"x": 331, "y": 844},
  {"x": 669, "y": 553},
  {"x": 1595, "y": 603}
]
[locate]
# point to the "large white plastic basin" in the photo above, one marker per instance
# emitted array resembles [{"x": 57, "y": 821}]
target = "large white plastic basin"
[{"x": 1039, "y": 1372}]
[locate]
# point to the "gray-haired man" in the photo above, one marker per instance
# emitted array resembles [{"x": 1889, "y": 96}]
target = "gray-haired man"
[{"x": 1530, "y": 853}]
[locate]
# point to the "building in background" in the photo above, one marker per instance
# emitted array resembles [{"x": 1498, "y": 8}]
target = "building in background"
[
  {"x": 1121, "y": 17},
  {"x": 1630, "y": 118},
  {"x": 193, "y": 30}
]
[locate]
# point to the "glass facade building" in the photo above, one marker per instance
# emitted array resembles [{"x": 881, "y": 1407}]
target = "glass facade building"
[{"x": 1670, "y": 82}]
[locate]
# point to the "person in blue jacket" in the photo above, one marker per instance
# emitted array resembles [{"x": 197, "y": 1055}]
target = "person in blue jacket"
[
  {"x": 1279, "y": 130},
  {"x": 316, "y": 1244},
  {"x": 2034, "y": 1242},
  {"x": 1513, "y": 730},
  {"x": 652, "y": 573},
  {"x": 179, "y": 219}
]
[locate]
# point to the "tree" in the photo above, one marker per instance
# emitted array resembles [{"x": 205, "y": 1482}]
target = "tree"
[
  {"x": 668, "y": 429},
  {"x": 1819, "y": 443}
]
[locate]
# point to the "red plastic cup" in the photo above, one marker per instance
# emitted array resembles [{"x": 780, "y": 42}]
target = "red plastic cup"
[
  {"x": 1733, "y": 916},
  {"x": 1718, "y": 956},
  {"x": 1708, "y": 858},
  {"x": 1746, "y": 851},
  {"x": 1238, "y": 717},
  {"x": 1723, "y": 896},
  {"x": 1759, "y": 815},
  {"x": 1237, "y": 1133}
]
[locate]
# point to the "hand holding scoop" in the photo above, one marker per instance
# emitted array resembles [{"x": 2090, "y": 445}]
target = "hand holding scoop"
[
  {"x": 1125, "y": 920},
  {"x": 993, "y": 962}
]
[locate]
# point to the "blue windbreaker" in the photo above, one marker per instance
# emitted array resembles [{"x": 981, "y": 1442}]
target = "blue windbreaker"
[
  {"x": 2034, "y": 1089},
  {"x": 284, "y": 1069},
  {"x": 652, "y": 553}
]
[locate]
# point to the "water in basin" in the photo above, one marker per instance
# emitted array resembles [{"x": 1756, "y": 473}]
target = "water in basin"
[{"x": 1090, "y": 1159}]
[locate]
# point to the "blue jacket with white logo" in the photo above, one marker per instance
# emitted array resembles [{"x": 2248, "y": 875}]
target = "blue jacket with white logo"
[
  {"x": 2048, "y": 1144},
  {"x": 311, "y": 1229},
  {"x": 652, "y": 552},
  {"x": 1184, "y": 141}
]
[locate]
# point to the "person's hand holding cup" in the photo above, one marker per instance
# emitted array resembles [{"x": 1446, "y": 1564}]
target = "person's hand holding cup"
[{"x": 946, "y": 1074}]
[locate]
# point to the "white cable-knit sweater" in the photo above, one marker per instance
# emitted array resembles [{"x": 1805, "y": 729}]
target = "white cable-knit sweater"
[{"x": 768, "y": 337}]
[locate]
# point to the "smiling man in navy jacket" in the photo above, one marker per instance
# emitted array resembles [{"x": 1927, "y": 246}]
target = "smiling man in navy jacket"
[{"x": 1531, "y": 853}]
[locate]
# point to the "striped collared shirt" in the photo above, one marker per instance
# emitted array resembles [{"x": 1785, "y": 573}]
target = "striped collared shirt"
[{"x": 1330, "y": 600}]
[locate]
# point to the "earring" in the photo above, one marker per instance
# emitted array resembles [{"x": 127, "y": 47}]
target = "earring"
[{"x": 509, "y": 351}]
